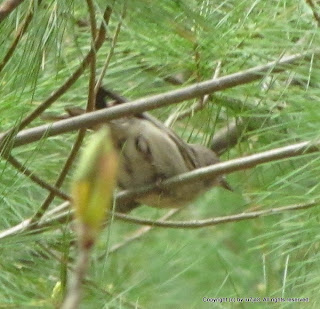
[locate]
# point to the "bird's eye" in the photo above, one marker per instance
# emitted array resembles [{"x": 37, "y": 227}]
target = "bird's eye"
[{"x": 142, "y": 146}]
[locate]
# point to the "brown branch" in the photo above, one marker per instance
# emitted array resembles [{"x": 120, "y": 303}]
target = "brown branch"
[
  {"x": 192, "y": 224},
  {"x": 45, "y": 205},
  {"x": 112, "y": 48},
  {"x": 233, "y": 133},
  {"x": 156, "y": 101},
  {"x": 218, "y": 220},
  {"x": 93, "y": 61},
  {"x": 93, "y": 22},
  {"x": 49, "y": 253},
  {"x": 225, "y": 168},
  {"x": 8, "y": 7}
]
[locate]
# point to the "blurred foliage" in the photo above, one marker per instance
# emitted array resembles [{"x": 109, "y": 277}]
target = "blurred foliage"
[{"x": 274, "y": 256}]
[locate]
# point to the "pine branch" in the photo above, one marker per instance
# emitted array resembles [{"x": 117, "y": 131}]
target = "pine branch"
[
  {"x": 171, "y": 97},
  {"x": 218, "y": 220}
]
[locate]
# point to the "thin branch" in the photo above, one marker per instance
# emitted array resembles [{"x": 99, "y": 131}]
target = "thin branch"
[
  {"x": 156, "y": 101},
  {"x": 93, "y": 22},
  {"x": 31, "y": 175},
  {"x": 112, "y": 48},
  {"x": 93, "y": 61},
  {"x": 8, "y": 7},
  {"x": 194, "y": 224},
  {"x": 74, "y": 151},
  {"x": 53, "y": 218},
  {"x": 49, "y": 252}
]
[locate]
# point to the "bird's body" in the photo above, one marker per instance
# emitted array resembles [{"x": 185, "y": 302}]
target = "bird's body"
[{"x": 149, "y": 155}]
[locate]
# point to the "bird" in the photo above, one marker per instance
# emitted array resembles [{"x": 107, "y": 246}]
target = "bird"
[{"x": 150, "y": 153}]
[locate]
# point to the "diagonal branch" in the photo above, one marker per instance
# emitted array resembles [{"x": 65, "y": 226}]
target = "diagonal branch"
[
  {"x": 156, "y": 101},
  {"x": 112, "y": 47},
  {"x": 53, "y": 218}
]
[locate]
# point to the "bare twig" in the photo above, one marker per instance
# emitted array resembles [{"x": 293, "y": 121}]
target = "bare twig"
[
  {"x": 156, "y": 101},
  {"x": 92, "y": 80},
  {"x": 93, "y": 22},
  {"x": 112, "y": 48},
  {"x": 8, "y": 7},
  {"x": 45, "y": 205},
  {"x": 54, "y": 218},
  {"x": 50, "y": 253},
  {"x": 218, "y": 220}
]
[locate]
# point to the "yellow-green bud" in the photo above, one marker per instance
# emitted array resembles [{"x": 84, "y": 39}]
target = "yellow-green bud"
[{"x": 94, "y": 181}]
